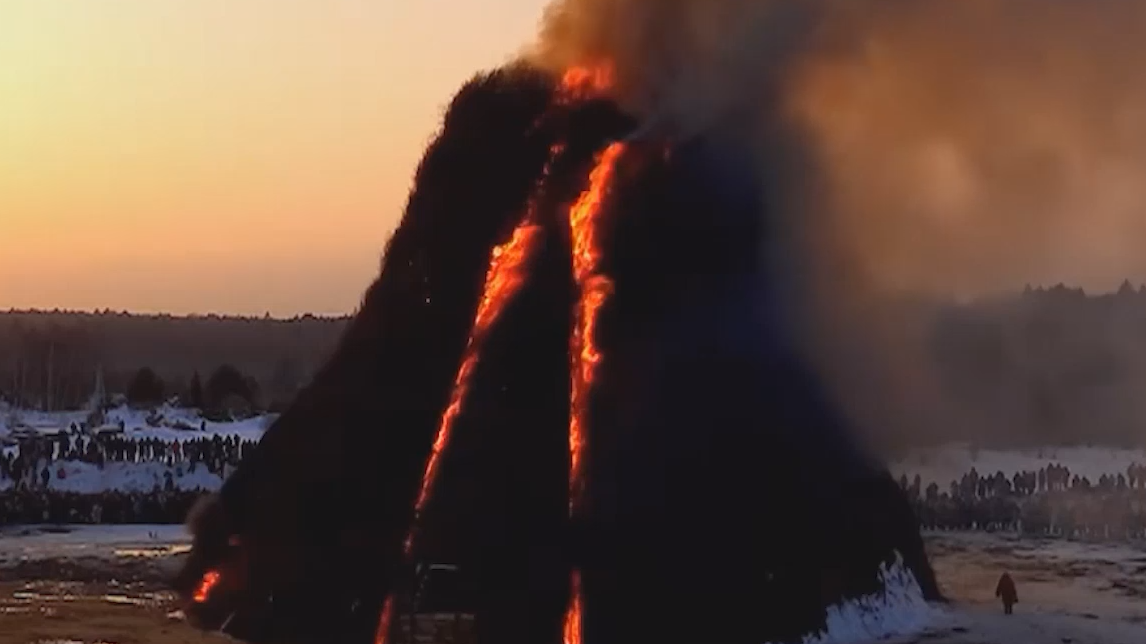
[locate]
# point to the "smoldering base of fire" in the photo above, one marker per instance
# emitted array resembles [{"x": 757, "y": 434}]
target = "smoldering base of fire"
[{"x": 712, "y": 453}]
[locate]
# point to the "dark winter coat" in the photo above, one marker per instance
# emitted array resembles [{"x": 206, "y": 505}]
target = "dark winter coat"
[{"x": 1005, "y": 590}]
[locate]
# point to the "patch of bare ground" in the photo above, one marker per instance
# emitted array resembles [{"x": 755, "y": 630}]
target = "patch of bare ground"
[{"x": 35, "y": 612}]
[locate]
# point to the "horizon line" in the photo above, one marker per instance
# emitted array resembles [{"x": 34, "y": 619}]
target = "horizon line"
[
  {"x": 213, "y": 315},
  {"x": 1028, "y": 288}
]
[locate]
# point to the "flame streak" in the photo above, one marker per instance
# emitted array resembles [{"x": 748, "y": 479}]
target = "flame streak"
[
  {"x": 206, "y": 585},
  {"x": 571, "y": 631},
  {"x": 504, "y": 278},
  {"x": 385, "y": 620},
  {"x": 595, "y": 289}
]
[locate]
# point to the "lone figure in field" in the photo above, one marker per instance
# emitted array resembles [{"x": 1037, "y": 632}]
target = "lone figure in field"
[{"x": 1005, "y": 591}]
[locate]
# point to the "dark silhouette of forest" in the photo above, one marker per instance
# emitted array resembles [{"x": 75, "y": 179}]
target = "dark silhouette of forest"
[
  {"x": 49, "y": 359},
  {"x": 1044, "y": 366},
  {"x": 1048, "y": 365}
]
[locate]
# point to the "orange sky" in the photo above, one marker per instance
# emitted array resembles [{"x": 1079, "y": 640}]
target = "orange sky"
[{"x": 236, "y": 156}]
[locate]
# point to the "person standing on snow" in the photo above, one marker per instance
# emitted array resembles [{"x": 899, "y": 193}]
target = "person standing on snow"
[{"x": 1005, "y": 590}]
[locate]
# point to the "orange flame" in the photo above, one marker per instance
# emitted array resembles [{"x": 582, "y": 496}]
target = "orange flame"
[
  {"x": 595, "y": 289},
  {"x": 584, "y": 82},
  {"x": 571, "y": 630},
  {"x": 206, "y": 585},
  {"x": 504, "y": 278},
  {"x": 384, "y": 621}
]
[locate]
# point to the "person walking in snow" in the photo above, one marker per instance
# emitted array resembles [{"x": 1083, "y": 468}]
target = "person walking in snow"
[{"x": 1005, "y": 590}]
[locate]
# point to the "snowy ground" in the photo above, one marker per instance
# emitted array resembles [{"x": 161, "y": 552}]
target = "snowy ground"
[
  {"x": 939, "y": 464},
  {"x": 136, "y": 424},
  {"x": 950, "y": 462},
  {"x": 136, "y": 477},
  {"x": 126, "y": 477},
  {"x": 1069, "y": 593},
  {"x": 106, "y": 543}
]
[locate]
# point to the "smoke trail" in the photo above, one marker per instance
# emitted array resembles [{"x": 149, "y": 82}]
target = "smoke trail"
[
  {"x": 684, "y": 64},
  {"x": 1005, "y": 131},
  {"x": 949, "y": 148},
  {"x": 978, "y": 145},
  {"x": 968, "y": 148}
]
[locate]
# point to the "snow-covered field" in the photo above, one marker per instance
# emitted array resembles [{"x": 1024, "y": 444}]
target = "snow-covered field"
[
  {"x": 105, "y": 542},
  {"x": 135, "y": 477},
  {"x": 950, "y": 462},
  {"x": 86, "y": 478},
  {"x": 135, "y": 421},
  {"x": 1069, "y": 592},
  {"x": 937, "y": 464}
]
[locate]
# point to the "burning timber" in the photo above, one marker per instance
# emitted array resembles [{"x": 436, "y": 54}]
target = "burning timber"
[{"x": 566, "y": 379}]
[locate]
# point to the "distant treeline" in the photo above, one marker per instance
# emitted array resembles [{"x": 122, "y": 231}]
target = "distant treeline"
[
  {"x": 49, "y": 359},
  {"x": 1044, "y": 366},
  {"x": 1047, "y": 365}
]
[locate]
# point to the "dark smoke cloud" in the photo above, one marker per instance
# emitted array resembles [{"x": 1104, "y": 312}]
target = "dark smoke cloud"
[
  {"x": 967, "y": 145},
  {"x": 974, "y": 146},
  {"x": 682, "y": 65},
  {"x": 909, "y": 147},
  {"x": 966, "y": 148}
]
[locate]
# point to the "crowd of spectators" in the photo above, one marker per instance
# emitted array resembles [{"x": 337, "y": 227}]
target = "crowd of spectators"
[
  {"x": 1050, "y": 501},
  {"x": 33, "y": 476},
  {"x": 36, "y": 506}
]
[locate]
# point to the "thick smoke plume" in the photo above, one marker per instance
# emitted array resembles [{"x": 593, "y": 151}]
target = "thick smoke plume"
[
  {"x": 975, "y": 146},
  {"x": 923, "y": 147},
  {"x": 966, "y": 145},
  {"x": 682, "y": 65}
]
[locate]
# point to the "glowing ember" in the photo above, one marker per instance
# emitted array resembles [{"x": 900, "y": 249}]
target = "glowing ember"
[
  {"x": 595, "y": 289},
  {"x": 206, "y": 585}
]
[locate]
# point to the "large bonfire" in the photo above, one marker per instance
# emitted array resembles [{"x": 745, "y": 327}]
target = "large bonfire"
[
  {"x": 643, "y": 255},
  {"x": 585, "y": 372}
]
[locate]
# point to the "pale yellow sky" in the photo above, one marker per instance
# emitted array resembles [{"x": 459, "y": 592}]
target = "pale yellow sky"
[{"x": 221, "y": 155}]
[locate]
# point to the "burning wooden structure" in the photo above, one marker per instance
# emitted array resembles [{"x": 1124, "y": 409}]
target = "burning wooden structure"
[{"x": 569, "y": 377}]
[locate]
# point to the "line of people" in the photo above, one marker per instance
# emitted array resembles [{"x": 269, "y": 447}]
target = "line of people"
[
  {"x": 1049, "y": 502},
  {"x": 28, "y": 506},
  {"x": 34, "y": 462},
  {"x": 1050, "y": 478}
]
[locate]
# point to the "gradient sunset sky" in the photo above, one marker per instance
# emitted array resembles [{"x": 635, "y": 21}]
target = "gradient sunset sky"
[{"x": 239, "y": 156}]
